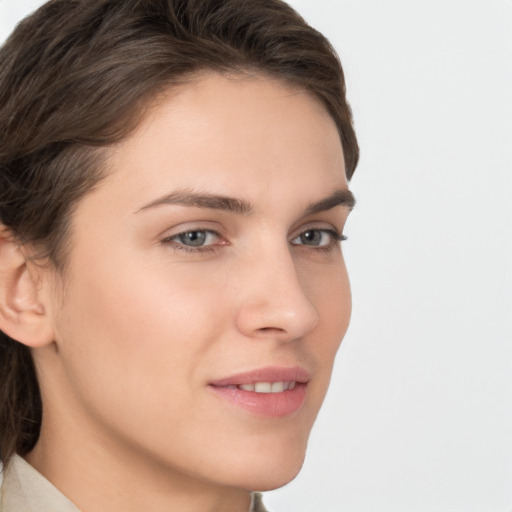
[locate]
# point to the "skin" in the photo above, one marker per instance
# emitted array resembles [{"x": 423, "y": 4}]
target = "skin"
[{"x": 139, "y": 324}]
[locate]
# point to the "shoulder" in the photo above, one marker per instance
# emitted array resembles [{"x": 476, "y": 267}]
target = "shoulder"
[
  {"x": 24, "y": 488},
  {"x": 257, "y": 503}
]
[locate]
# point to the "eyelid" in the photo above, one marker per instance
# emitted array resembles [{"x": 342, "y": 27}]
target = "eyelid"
[
  {"x": 188, "y": 226},
  {"x": 176, "y": 235},
  {"x": 170, "y": 238},
  {"x": 320, "y": 226},
  {"x": 334, "y": 234},
  {"x": 188, "y": 231}
]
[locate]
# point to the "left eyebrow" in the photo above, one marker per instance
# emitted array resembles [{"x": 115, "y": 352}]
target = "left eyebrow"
[{"x": 340, "y": 197}]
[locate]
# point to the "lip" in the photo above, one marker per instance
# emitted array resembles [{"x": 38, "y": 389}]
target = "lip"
[
  {"x": 270, "y": 405},
  {"x": 267, "y": 374}
]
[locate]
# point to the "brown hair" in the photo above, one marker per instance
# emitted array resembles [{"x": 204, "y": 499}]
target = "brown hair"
[{"x": 75, "y": 76}]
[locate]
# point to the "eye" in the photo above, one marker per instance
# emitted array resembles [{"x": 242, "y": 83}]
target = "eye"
[
  {"x": 318, "y": 237},
  {"x": 195, "y": 238}
]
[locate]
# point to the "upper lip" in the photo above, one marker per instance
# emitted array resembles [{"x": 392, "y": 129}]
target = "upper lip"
[{"x": 266, "y": 374}]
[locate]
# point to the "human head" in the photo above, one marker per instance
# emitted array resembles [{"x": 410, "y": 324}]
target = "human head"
[{"x": 77, "y": 77}]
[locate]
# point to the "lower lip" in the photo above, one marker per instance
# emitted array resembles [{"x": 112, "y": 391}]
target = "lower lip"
[{"x": 272, "y": 405}]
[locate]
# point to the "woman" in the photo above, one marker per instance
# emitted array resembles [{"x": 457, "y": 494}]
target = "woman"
[{"x": 173, "y": 191}]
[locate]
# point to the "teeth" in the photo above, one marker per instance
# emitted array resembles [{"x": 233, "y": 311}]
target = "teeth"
[
  {"x": 277, "y": 387},
  {"x": 263, "y": 387},
  {"x": 268, "y": 387}
]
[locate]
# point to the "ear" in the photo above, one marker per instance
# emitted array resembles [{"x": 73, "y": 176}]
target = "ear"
[{"x": 23, "y": 316}]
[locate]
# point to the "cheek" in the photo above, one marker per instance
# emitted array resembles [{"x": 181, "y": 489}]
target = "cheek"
[
  {"x": 338, "y": 304},
  {"x": 329, "y": 290},
  {"x": 129, "y": 331}
]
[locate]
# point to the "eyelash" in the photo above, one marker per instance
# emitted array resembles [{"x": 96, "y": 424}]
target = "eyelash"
[{"x": 336, "y": 237}]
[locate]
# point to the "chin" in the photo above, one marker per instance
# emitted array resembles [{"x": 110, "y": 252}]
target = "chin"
[
  {"x": 271, "y": 480},
  {"x": 269, "y": 470},
  {"x": 268, "y": 478}
]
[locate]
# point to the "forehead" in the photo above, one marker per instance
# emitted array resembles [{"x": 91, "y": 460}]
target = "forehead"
[{"x": 232, "y": 135}]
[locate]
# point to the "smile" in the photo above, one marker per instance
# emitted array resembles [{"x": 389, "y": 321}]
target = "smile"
[
  {"x": 268, "y": 392},
  {"x": 267, "y": 387}
]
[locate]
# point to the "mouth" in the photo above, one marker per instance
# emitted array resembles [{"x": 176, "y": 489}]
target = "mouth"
[
  {"x": 268, "y": 392},
  {"x": 266, "y": 387}
]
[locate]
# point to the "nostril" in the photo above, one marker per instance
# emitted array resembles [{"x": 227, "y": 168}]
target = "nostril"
[{"x": 271, "y": 329}]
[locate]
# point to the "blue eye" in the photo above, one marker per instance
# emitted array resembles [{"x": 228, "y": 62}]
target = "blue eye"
[
  {"x": 195, "y": 238},
  {"x": 192, "y": 238},
  {"x": 318, "y": 238}
]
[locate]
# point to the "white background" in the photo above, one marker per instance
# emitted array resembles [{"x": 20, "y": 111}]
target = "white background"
[{"x": 419, "y": 416}]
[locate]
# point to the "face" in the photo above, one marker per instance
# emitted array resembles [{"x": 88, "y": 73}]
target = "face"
[{"x": 206, "y": 294}]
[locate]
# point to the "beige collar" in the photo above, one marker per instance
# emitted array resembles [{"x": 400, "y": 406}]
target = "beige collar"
[{"x": 25, "y": 489}]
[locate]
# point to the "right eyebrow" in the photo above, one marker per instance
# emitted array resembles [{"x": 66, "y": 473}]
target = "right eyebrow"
[{"x": 210, "y": 201}]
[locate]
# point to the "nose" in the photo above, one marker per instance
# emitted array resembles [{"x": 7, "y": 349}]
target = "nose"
[{"x": 273, "y": 301}]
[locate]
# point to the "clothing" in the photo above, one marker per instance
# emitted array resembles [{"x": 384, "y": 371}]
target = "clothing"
[{"x": 25, "y": 490}]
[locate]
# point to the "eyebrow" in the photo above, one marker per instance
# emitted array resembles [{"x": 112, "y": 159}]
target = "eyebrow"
[
  {"x": 340, "y": 197},
  {"x": 198, "y": 200}
]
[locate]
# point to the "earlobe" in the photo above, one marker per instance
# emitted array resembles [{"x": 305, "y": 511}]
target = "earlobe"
[{"x": 23, "y": 316}]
